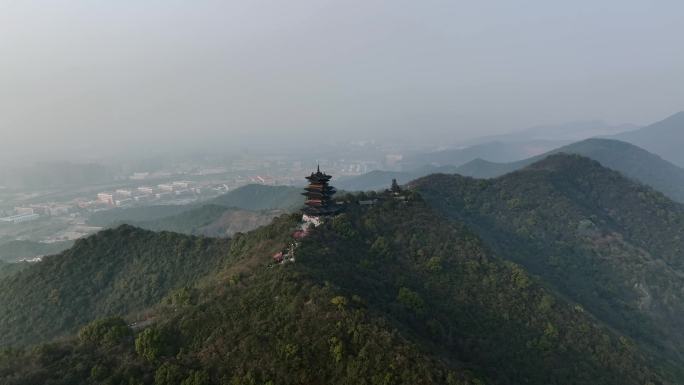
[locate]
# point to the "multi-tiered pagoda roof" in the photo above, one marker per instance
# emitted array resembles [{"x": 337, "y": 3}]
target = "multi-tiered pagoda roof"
[{"x": 319, "y": 195}]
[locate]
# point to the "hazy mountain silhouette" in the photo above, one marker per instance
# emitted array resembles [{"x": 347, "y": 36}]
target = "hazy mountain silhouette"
[
  {"x": 630, "y": 160},
  {"x": 664, "y": 138}
]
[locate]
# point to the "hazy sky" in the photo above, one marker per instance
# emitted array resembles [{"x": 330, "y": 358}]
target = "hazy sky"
[{"x": 80, "y": 74}]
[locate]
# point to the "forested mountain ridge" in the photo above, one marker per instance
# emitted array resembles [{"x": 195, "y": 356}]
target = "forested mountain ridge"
[
  {"x": 630, "y": 160},
  {"x": 390, "y": 294},
  {"x": 9, "y": 268},
  {"x": 211, "y": 220},
  {"x": 495, "y": 151},
  {"x": 606, "y": 242},
  {"x": 114, "y": 272}
]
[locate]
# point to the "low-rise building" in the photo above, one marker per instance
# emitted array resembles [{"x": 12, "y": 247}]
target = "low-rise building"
[
  {"x": 163, "y": 195},
  {"x": 23, "y": 210},
  {"x": 123, "y": 192},
  {"x": 57, "y": 210},
  {"x": 145, "y": 190},
  {"x": 181, "y": 184},
  {"x": 123, "y": 202},
  {"x": 139, "y": 175},
  {"x": 106, "y": 198}
]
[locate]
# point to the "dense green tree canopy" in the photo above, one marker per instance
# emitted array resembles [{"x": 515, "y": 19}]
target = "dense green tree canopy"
[{"x": 392, "y": 293}]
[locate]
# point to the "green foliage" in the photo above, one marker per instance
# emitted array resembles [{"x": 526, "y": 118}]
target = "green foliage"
[
  {"x": 113, "y": 273},
  {"x": 105, "y": 332},
  {"x": 431, "y": 306},
  {"x": 600, "y": 239},
  {"x": 154, "y": 343},
  {"x": 168, "y": 374},
  {"x": 187, "y": 222},
  {"x": 209, "y": 220},
  {"x": 135, "y": 214},
  {"x": 339, "y": 301},
  {"x": 9, "y": 268},
  {"x": 438, "y": 283},
  {"x": 197, "y": 377},
  {"x": 411, "y": 300},
  {"x": 259, "y": 197},
  {"x": 343, "y": 226}
]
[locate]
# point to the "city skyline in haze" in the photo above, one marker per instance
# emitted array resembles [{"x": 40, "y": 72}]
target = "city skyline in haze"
[{"x": 108, "y": 77}]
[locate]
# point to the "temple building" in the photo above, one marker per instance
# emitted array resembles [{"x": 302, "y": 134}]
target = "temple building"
[{"x": 319, "y": 202}]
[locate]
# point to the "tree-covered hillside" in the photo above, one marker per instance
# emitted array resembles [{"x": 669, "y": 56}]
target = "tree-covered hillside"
[
  {"x": 114, "y": 272},
  {"x": 600, "y": 239},
  {"x": 211, "y": 220},
  {"x": 259, "y": 197},
  {"x": 390, "y": 294},
  {"x": 117, "y": 216},
  {"x": 9, "y": 268}
]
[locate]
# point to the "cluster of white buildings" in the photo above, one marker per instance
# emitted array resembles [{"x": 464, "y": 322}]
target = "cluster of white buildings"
[
  {"x": 19, "y": 218},
  {"x": 126, "y": 197},
  {"x": 35, "y": 211},
  {"x": 21, "y": 214}
]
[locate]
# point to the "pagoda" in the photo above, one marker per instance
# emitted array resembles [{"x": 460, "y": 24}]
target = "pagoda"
[{"x": 319, "y": 194}]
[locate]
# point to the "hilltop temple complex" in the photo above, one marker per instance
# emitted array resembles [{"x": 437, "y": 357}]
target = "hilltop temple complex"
[{"x": 319, "y": 204}]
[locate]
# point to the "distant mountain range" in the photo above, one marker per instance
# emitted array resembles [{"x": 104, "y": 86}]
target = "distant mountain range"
[
  {"x": 495, "y": 151},
  {"x": 517, "y": 145},
  {"x": 630, "y": 160},
  {"x": 379, "y": 180},
  {"x": 664, "y": 138},
  {"x": 567, "y": 132}
]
